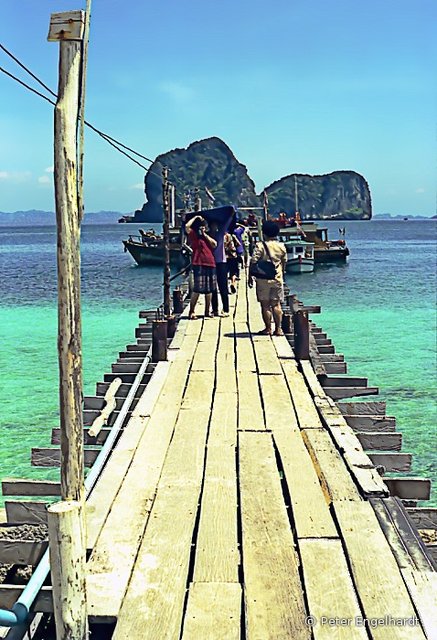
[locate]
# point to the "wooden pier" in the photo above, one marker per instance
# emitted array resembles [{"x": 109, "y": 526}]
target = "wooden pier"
[{"x": 240, "y": 500}]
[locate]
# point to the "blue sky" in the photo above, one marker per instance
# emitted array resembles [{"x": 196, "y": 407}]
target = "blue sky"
[{"x": 306, "y": 86}]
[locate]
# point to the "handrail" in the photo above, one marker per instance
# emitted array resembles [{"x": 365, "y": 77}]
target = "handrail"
[{"x": 19, "y": 612}]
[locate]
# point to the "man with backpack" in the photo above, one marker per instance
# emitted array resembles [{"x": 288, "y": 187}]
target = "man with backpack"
[{"x": 269, "y": 279}]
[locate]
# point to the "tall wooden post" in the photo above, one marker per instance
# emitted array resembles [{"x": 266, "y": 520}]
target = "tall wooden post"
[
  {"x": 67, "y": 537},
  {"x": 166, "y": 236}
]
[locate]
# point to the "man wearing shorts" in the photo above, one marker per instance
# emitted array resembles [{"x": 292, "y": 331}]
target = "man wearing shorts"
[{"x": 269, "y": 293}]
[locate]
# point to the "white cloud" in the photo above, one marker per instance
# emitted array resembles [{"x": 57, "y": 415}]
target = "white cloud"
[
  {"x": 179, "y": 93},
  {"x": 50, "y": 169},
  {"x": 15, "y": 176},
  {"x": 44, "y": 180},
  {"x": 420, "y": 190},
  {"x": 138, "y": 185}
]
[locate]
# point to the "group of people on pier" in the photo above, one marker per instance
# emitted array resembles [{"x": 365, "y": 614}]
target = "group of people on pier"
[{"x": 217, "y": 258}]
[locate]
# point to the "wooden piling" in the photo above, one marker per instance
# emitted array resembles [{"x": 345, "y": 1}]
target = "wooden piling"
[
  {"x": 301, "y": 335},
  {"x": 66, "y": 519},
  {"x": 178, "y": 305},
  {"x": 166, "y": 236},
  {"x": 159, "y": 340},
  {"x": 286, "y": 322},
  {"x": 67, "y": 563}
]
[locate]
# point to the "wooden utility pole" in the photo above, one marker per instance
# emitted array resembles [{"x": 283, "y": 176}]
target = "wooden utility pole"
[
  {"x": 66, "y": 520},
  {"x": 166, "y": 236}
]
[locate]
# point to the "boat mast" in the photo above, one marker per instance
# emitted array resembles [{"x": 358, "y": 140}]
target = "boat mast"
[{"x": 296, "y": 203}]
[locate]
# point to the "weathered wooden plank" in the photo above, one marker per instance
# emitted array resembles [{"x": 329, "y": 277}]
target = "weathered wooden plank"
[
  {"x": 392, "y": 461},
  {"x": 343, "y": 381},
  {"x": 307, "y": 414},
  {"x": 330, "y": 591},
  {"x": 51, "y": 457},
  {"x": 273, "y": 592},
  {"x": 278, "y": 407},
  {"x": 338, "y": 393},
  {"x": 163, "y": 559},
  {"x": 310, "y": 511},
  {"x": 213, "y": 611},
  {"x": 126, "y": 367},
  {"x": 377, "y": 407},
  {"x": 326, "y": 348},
  {"x": 89, "y": 416},
  {"x": 103, "y": 494},
  {"x": 217, "y": 555},
  {"x": 20, "y": 487},
  {"x": 332, "y": 357},
  {"x": 409, "y": 488},
  {"x": 422, "y": 587},
  {"x": 245, "y": 357},
  {"x": 380, "y": 441},
  {"x": 283, "y": 347},
  {"x": 87, "y": 439},
  {"x": 26, "y": 512},
  {"x": 116, "y": 548},
  {"x": 333, "y": 474},
  {"x": 423, "y": 517},
  {"x": 371, "y": 423},
  {"x": 405, "y": 542},
  {"x": 378, "y": 581},
  {"x": 102, "y": 387},
  {"x": 266, "y": 357},
  {"x": 309, "y": 508},
  {"x": 22, "y": 552},
  {"x": 250, "y": 411},
  {"x": 335, "y": 367}
]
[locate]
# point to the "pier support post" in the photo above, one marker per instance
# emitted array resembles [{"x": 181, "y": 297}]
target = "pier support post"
[
  {"x": 67, "y": 563},
  {"x": 166, "y": 238},
  {"x": 178, "y": 305},
  {"x": 286, "y": 322},
  {"x": 66, "y": 519},
  {"x": 301, "y": 335},
  {"x": 171, "y": 326},
  {"x": 159, "y": 340}
]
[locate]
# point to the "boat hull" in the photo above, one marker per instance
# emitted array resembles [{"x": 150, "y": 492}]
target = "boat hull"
[
  {"x": 145, "y": 255},
  {"x": 297, "y": 266},
  {"x": 337, "y": 254}
]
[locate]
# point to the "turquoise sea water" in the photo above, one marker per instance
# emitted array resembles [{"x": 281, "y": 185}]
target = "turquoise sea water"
[{"x": 379, "y": 309}]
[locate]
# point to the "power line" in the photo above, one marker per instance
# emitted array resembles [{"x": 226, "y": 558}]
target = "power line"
[{"x": 109, "y": 139}]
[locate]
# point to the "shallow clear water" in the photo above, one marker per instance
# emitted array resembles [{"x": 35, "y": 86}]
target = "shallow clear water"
[{"x": 379, "y": 309}]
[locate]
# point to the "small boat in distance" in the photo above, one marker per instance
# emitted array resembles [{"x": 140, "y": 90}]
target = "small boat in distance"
[
  {"x": 148, "y": 248},
  {"x": 300, "y": 255}
]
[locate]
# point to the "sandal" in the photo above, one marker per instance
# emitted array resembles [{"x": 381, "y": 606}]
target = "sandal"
[
  {"x": 264, "y": 332},
  {"x": 192, "y": 316}
]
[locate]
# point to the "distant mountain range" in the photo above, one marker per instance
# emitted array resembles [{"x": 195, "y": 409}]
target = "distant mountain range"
[
  {"x": 390, "y": 216},
  {"x": 46, "y": 218},
  {"x": 36, "y": 218}
]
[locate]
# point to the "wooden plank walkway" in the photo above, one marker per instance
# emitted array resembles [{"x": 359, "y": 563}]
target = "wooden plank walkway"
[{"x": 239, "y": 503}]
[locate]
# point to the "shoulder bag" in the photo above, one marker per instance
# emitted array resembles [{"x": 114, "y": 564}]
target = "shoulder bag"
[{"x": 263, "y": 269}]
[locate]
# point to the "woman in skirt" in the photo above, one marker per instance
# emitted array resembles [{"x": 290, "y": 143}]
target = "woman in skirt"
[{"x": 203, "y": 264}]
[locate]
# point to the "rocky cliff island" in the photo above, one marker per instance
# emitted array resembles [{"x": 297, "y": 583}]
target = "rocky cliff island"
[{"x": 341, "y": 195}]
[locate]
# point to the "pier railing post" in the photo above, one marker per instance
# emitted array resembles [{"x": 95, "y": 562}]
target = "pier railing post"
[
  {"x": 166, "y": 238},
  {"x": 178, "y": 305},
  {"x": 159, "y": 340},
  {"x": 301, "y": 335},
  {"x": 66, "y": 521}
]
